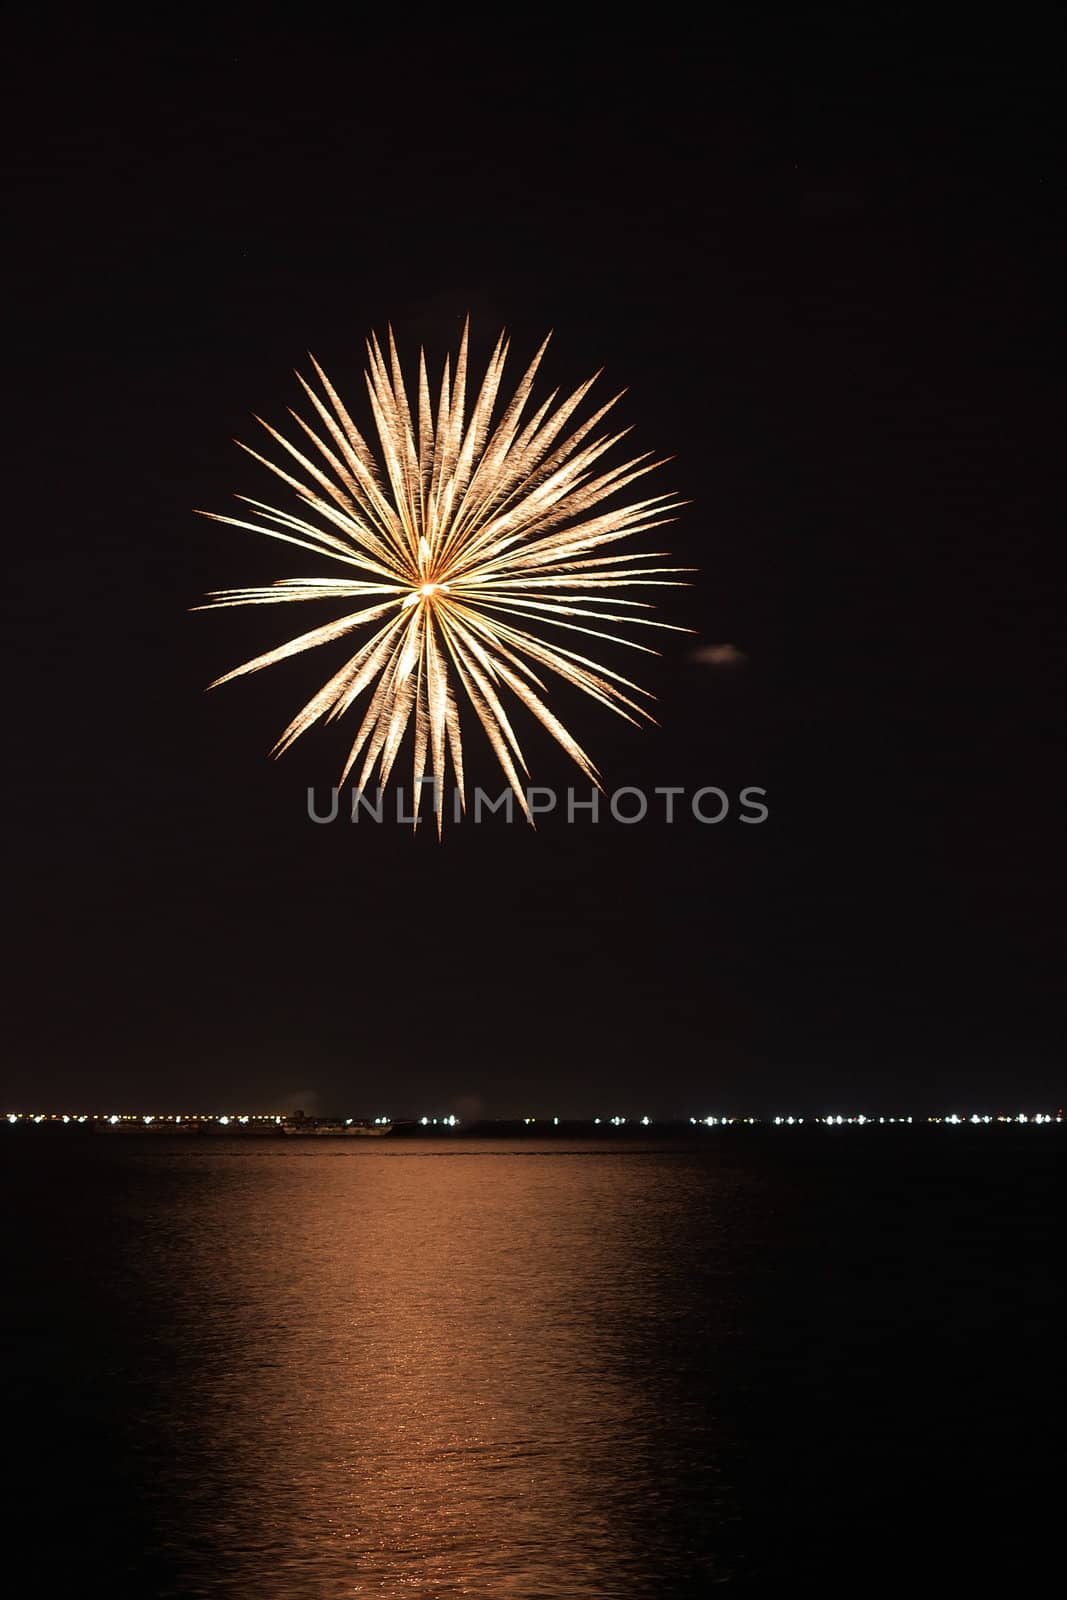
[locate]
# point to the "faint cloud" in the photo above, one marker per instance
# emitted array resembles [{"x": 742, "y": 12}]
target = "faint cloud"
[
  {"x": 718, "y": 655},
  {"x": 829, "y": 202},
  {"x": 305, "y": 1100}
]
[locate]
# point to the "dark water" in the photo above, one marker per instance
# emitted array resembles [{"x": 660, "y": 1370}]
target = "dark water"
[{"x": 444, "y": 1369}]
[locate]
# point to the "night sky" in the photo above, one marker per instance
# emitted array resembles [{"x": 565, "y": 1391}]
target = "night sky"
[{"x": 828, "y": 268}]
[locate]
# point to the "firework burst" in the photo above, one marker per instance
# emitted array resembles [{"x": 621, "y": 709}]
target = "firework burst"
[{"x": 462, "y": 537}]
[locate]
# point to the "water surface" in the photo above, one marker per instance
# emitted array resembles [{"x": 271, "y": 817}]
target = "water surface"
[{"x": 440, "y": 1368}]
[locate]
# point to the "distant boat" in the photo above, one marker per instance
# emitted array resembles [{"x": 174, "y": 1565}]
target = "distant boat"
[{"x": 334, "y": 1128}]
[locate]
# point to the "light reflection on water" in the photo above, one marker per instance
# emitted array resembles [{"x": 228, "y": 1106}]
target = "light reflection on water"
[
  {"x": 426, "y": 1372},
  {"x": 281, "y": 1372}
]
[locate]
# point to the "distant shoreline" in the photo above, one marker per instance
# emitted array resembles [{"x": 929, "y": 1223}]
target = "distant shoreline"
[{"x": 148, "y": 1126}]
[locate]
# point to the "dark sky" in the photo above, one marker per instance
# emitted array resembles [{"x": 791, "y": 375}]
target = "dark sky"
[{"x": 828, "y": 267}]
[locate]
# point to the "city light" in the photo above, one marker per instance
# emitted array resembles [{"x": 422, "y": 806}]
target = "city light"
[{"x": 271, "y": 1122}]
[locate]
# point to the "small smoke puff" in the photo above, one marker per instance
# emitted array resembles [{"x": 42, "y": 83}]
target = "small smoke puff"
[
  {"x": 305, "y": 1100},
  {"x": 719, "y": 655}
]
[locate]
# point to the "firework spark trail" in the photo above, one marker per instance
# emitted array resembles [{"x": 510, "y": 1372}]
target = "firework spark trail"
[{"x": 460, "y": 535}]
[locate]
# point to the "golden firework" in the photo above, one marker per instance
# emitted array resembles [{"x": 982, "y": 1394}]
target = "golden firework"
[{"x": 464, "y": 533}]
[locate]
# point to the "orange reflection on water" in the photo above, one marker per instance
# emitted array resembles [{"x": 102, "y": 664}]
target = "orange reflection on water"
[{"x": 423, "y": 1383}]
